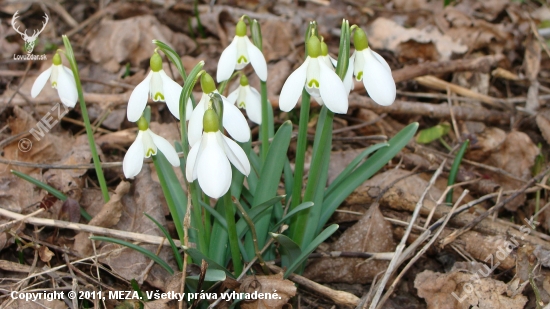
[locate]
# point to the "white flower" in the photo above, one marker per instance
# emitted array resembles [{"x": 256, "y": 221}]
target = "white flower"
[
  {"x": 159, "y": 87},
  {"x": 61, "y": 78},
  {"x": 208, "y": 161},
  {"x": 233, "y": 121},
  {"x": 146, "y": 144},
  {"x": 372, "y": 69},
  {"x": 240, "y": 53},
  {"x": 320, "y": 82},
  {"x": 249, "y": 98}
]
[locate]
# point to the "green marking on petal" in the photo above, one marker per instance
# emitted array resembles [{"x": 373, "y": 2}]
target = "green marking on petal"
[
  {"x": 313, "y": 83},
  {"x": 56, "y": 59},
  {"x": 157, "y": 96},
  {"x": 155, "y": 62},
  {"x": 359, "y": 75},
  {"x": 54, "y": 85},
  {"x": 242, "y": 59},
  {"x": 240, "y": 30},
  {"x": 242, "y": 104},
  {"x": 150, "y": 152}
]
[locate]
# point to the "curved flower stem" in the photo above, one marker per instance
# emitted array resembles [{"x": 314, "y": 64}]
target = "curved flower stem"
[
  {"x": 232, "y": 231},
  {"x": 89, "y": 131}
]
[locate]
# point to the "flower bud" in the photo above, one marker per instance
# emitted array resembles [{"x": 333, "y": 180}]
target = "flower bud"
[
  {"x": 244, "y": 80},
  {"x": 360, "y": 39},
  {"x": 240, "y": 30},
  {"x": 324, "y": 49},
  {"x": 142, "y": 124},
  {"x": 156, "y": 62},
  {"x": 313, "y": 47},
  {"x": 210, "y": 121},
  {"x": 207, "y": 83},
  {"x": 56, "y": 59}
]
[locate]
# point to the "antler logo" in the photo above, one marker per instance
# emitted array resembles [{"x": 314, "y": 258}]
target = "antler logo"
[{"x": 29, "y": 40}]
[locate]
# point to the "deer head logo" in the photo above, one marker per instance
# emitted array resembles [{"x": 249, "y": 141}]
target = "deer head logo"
[{"x": 29, "y": 40}]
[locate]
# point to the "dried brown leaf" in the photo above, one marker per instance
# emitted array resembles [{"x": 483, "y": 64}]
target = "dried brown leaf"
[
  {"x": 45, "y": 254},
  {"x": 113, "y": 43},
  {"x": 457, "y": 290},
  {"x": 108, "y": 216},
  {"x": 387, "y": 34},
  {"x": 285, "y": 289},
  {"x": 370, "y": 234}
]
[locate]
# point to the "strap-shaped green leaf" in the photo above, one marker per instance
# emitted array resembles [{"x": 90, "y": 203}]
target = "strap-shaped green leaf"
[
  {"x": 365, "y": 171},
  {"x": 289, "y": 250},
  {"x": 173, "y": 56},
  {"x": 310, "y": 247}
]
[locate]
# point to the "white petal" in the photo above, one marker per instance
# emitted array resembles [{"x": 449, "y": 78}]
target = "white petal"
[
  {"x": 190, "y": 165},
  {"x": 381, "y": 59},
  {"x": 194, "y": 129},
  {"x": 188, "y": 109},
  {"x": 293, "y": 86},
  {"x": 227, "y": 62},
  {"x": 235, "y": 123},
  {"x": 166, "y": 148},
  {"x": 172, "y": 92},
  {"x": 348, "y": 79},
  {"x": 256, "y": 59},
  {"x": 133, "y": 160},
  {"x": 332, "y": 90},
  {"x": 213, "y": 169},
  {"x": 234, "y": 153},
  {"x": 359, "y": 64},
  {"x": 232, "y": 97},
  {"x": 40, "y": 82},
  {"x": 66, "y": 88},
  {"x": 138, "y": 99},
  {"x": 378, "y": 81},
  {"x": 254, "y": 105}
]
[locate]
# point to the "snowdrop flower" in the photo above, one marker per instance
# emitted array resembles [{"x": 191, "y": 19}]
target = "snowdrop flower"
[
  {"x": 233, "y": 120},
  {"x": 61, "y": 78},
  {"x": 320, "y": 82},
  {"x": 369, "y": 66},
  {"x": 249, "y": 98},
  {"x": 208, "y": 160},
  {"x": 159, "y": 87},
  {"x": 240, "y": 53},
  {"x": 146, "y": 145}
]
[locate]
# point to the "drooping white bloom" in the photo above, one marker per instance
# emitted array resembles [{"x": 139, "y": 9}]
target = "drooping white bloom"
[
  {"x": 240, "y": 53},
  {"x": 61, "y": 78},
  {"x": 372, "y": 69},
  {"x": 208, "y": 159},
  {"x": 233, "y": 120},
  {"x": 320, "y": 82},
  {"x": 146, "y": 145},
  {"x": 159, "y": 87},
  {"x": 249, "y": 98}
]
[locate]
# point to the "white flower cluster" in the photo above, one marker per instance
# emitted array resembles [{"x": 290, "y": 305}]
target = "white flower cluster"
[{"x": 211, "y": 151}]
